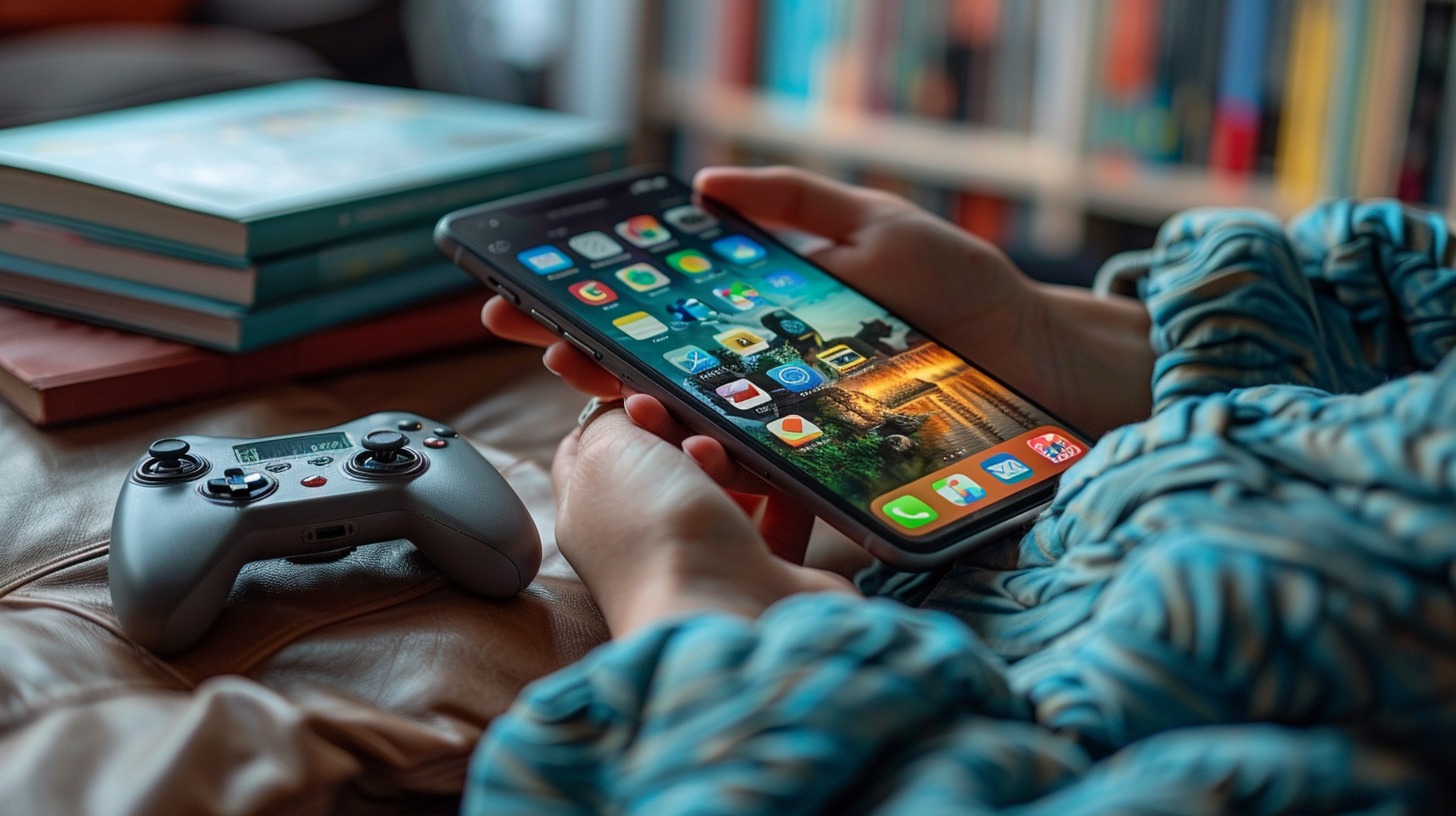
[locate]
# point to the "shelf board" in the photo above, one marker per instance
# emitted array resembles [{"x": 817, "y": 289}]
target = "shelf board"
[{"x": 961, "y": 156}]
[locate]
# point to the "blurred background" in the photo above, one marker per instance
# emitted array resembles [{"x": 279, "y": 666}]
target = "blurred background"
[{"x": 1062, "y": 130}]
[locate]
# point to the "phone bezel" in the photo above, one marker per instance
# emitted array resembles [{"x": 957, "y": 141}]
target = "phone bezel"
[{"x": 454, "y": 237}]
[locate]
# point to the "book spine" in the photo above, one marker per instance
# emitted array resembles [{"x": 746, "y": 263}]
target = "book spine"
[
  {"x": 1346, "y": 97},
  {"x": 339, "y": 265},
  {"x": 1388, "y": 93},
  {"x": 1301, "y": 140},
  {"x": 279, "y": 234},
  {"x": 1236, "y": 116}
]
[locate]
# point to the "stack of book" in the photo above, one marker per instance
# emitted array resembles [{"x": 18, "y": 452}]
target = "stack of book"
[{"x": 250, "y": 218}]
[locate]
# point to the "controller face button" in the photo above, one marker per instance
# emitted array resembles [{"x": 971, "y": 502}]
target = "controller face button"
[
  {"x": 320, "y": 461},
  {"x": 314, "y": 481},
  {"x": 410, "y": 425},
  {"x": 445, "y": 433},
  {"x": 278, "y": 467},
  {"x": 432, "y": 442}
]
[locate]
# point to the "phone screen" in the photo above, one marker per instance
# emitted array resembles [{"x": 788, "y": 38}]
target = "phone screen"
[{"x": 866, "y": 408}]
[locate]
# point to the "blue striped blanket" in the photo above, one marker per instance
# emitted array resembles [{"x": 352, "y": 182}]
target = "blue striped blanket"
[{"x": 1243, "y": 604}]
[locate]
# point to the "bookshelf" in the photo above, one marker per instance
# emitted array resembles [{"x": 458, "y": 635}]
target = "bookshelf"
[{"x": 1300, "y": 100}]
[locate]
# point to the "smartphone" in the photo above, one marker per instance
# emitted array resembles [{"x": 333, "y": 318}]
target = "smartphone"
[{"x": 908, "y": 448}]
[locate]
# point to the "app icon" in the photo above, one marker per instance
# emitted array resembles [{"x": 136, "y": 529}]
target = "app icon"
[
  {"x": 1007, "y": 468},
  {"x": 842, "y": 358},
  {"x": 691, "y": 359},
  {"x": 739, "y": 250},
  {"x": 794, "y": 430},
  {"x": 594, "y": 245},
  {"x": 642, "y": 277},
  {"x": 740, "y": 296},
  {"x": 959, "y": 490},
  {"x": 909, "y": 512},
  {"x": 643, "y": 231},
  {"x": 640, "y": 325},
  {"x": 782, "y": 280},
  {"x": 690, "y": 262},
  {"x": 1055, "y": 447},
  {"x": 796, "y": 377},
  {"x": 690, "y": 310},
  {"x": 689, "y": 219},
  {"x": 741, "y": 342},
  {"x": 593, "y": 293},
  {"x": 544, "y": 259},
  {"x": 742, "y": 394}
]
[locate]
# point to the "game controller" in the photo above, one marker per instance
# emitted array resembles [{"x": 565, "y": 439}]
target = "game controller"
[{"x": 196, "y": 509}]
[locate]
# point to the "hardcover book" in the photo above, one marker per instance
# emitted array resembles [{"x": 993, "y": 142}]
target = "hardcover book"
[
  {"x": 213, "y": 323},
  {"x": 271, "y": 170},
  {"x": 57, "y": 370}
]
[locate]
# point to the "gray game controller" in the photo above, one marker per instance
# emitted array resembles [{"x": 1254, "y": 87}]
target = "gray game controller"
[{"x": 196, "y": 509}]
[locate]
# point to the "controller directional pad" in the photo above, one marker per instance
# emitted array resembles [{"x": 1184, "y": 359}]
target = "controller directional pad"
[{"x": 236, "y": 485}]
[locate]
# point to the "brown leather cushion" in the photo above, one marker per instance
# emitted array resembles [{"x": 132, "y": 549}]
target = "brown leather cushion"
[{"x": 358, "y": 686}]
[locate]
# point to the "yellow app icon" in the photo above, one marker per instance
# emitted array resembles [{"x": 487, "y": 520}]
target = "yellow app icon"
[
  {"x": 640, "y": 325},
  {"x": 794, "y": 430},
  {"x": 741, "y": 342}
]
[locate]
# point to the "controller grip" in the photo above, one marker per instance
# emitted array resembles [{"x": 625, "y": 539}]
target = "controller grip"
[{"x": 167, "y": 595}]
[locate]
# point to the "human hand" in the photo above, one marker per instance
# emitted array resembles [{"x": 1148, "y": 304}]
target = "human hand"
[{"x": 652, "y": 535}]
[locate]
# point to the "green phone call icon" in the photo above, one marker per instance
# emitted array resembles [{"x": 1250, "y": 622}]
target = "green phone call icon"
[{"x": 910, "y": 512}]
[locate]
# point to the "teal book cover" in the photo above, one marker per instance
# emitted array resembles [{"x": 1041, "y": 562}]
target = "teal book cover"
[
  {"x": 269, "y": 170},
  {"x": 213, "y": 323}
]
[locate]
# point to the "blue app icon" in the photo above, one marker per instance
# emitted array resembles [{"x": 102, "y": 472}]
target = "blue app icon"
[
  {"x": 1006, "y": 468},
  {"x": 691, "y": 359},
  {"x": 544, "y": 259},
  {"x": 796, "y": 377},
  {"x": 782, "y": 280},
  {"x": 739, "y": 250}
]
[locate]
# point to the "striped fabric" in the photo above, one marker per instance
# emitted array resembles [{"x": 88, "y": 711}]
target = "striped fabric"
[{"x": 1242, "y": 605}]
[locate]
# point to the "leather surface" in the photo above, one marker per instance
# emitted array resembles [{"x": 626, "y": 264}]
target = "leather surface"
[{"x": 356, "y": 686}]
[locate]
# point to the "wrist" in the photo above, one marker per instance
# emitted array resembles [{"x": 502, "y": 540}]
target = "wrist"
[{"x": 1099, "y": 356}]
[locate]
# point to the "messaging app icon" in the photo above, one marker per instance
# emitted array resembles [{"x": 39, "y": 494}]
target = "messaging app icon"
[
  {"x": 794, "y": 431},
  {"x": 691, "y": 359},
  {"x": 909, "y": 512},
  {"x": 1006, "y": 468},
  {"x": 742, "y": 395}
]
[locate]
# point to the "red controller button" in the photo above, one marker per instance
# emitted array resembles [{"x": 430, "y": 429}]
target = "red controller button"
[
  {"x": 314, "y": 481},
  {"x": 433, "y": 442}
]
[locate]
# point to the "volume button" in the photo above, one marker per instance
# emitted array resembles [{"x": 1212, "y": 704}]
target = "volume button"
[
  {"x": 585, "y": 349},
  {"x": 546, "y": 321},
  {"x": 514, "y": 298}
]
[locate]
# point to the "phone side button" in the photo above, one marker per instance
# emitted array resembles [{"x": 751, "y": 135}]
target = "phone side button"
[
  {"x": 546, "y": 321},
  {"x": 585, "y": 349},
  {"x": 505, "y": 292}
]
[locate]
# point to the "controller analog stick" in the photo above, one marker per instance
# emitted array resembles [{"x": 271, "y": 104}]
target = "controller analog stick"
[
  {"x": 384, "y": 445},
  {"x": 170, "y": 459},
  {"x": 385, "y": 454}
]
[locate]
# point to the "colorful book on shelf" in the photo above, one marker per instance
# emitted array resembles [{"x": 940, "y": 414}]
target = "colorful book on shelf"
[
  {"x": 1394, "y": 35},
  {"x": 1301, "y": 152},
  {"x": 1236, "y": 115},
  {"x": 213, "y": 323},
  {"x": 272, "y": 170},
  {"x": 56, "y": 370},
  {"x": 267, "y": 281}
]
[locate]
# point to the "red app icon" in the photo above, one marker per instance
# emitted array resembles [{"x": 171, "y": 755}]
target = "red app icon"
[
  {"x": 1055, "y": 447},
  {"x": 593, "y": 293}
]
